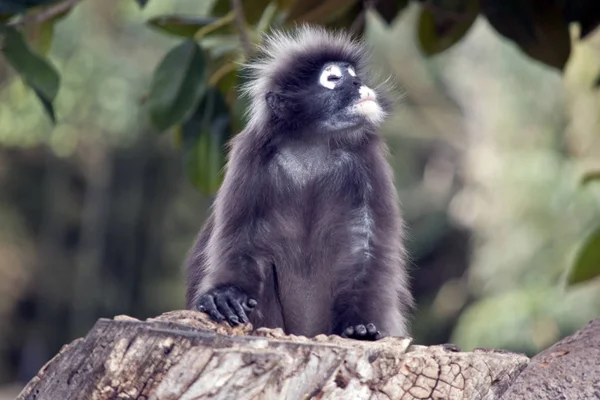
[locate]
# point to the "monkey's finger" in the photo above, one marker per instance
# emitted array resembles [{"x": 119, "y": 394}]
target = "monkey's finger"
[
  {"x": 377, "y": 335},
  {"x": 207, "y": 304},
  {"x": 239, "y": 310},
  {"x": 371, "y": 329},
  {"x": 226, "y": 310},
  {"x": 361, "y": 330},
  {"x": 251, "y": 303}
]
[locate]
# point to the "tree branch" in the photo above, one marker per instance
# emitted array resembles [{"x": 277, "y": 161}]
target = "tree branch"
[
  {"x": 236, "y": 6},
  {"x": 47, "y": 13}
]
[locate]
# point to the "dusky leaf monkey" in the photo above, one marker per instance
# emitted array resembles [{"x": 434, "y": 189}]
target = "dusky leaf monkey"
[{"x": 306, "y": 232}]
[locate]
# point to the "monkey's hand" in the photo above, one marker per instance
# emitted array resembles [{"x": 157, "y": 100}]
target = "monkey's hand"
[
  {"x": 362, "y": 332},
  {"x": 227, "y": 302}
]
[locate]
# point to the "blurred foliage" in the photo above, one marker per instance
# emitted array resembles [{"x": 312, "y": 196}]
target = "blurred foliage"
[
  {"x": 498, "y": 129},
  {"x": 213, "y": 44}
]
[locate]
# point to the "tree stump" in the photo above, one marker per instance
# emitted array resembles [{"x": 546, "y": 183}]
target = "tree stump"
[{"x": 184, "y": 355}]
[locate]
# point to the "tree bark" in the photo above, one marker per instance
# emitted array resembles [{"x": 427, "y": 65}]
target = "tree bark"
[
  {"x": 184, "y": 355},
  {"x": 570, "y": 369}
]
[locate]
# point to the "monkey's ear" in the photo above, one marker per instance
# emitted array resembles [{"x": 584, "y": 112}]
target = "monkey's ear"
[{"x": 276, "y": 103}]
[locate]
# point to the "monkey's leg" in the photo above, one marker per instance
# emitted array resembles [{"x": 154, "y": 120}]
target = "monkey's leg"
[{"x": 360, "y": 310}]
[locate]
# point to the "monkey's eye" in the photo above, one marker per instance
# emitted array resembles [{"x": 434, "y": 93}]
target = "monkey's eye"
[{"x": 329, "y": 76}]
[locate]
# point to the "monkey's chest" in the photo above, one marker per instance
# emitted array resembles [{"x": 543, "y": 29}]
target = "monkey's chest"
[
  {"x": 324, "y": 204},
  {"x": 300, "y": 169}
]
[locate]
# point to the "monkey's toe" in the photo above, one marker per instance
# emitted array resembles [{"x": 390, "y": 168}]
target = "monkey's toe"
[{"x": 362, "y": 332}]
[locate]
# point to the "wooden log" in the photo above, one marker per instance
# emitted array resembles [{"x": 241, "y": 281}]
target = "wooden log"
[
  {"x": 570, "y": 369},
  {"x": 184, "y": 355}
]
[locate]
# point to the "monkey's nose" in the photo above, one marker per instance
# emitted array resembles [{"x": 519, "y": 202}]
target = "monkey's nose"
[{"x": 356, "y": 82}]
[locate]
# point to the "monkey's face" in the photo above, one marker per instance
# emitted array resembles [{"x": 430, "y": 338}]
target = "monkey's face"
[
  {"x": 326, "y": 95},
  {"x": 344, "y": 99}
]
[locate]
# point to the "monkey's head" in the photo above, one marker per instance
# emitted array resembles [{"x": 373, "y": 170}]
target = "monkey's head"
[{"x": 314, "y": 81}]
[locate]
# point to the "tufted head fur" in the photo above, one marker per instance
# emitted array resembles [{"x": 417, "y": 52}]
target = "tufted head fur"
[{"x": 289, "y": 62}]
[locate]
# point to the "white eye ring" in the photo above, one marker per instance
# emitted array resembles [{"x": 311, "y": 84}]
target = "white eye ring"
[
  {"x": 332, "y": 71},
  {"x": 351, "y": 71}
]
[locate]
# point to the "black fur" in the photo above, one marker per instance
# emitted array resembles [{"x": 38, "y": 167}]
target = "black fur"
[{"x": 306, "y": 232}]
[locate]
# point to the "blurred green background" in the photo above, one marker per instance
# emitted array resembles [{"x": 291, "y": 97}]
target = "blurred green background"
[{"x": 490, "y": 146}]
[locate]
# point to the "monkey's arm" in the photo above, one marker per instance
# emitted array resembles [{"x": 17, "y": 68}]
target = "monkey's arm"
[{"x": 233, "y": 275}]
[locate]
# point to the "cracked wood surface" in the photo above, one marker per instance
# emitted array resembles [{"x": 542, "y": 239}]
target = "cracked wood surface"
[{"x": 183, "y": 355}]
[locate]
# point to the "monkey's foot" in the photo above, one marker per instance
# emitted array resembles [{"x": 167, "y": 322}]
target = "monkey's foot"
[
  {"x": 362, "y": 332},
  {"x": 226, "y": 302}
]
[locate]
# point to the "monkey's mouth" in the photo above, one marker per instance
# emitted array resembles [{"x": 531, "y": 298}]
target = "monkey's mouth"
[
  {"x": 366, "y": 96},
  {"x": 368, "y": 106},
  {"x": 365, "y": 100}
]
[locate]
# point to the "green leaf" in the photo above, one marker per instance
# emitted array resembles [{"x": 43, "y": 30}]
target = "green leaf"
[
  {"x": 439, "y": 29},
  {"x": 39, "y": 36},
  {"x": 319, "y": 11},
  {"x": 180, "y": 25},
  {"x": 37, "y": 73},
  {"x": 537, "y": 27},
  {"x": 587, "y": 262},
  {"x": 204, "y": 136},
  {"x": 590, "y": 176},
  {"x": 178, "y": 83}
]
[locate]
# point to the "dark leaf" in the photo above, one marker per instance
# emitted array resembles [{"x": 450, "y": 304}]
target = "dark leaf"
[
  {"x": 318, "y": 11},
  {"x": 142, "y": 3},
  {"x": 389, "y": 9},
  {"x": 587, "y": 262},
  {"x": 180, "y": 25},
  {"x": 178, "y": 84},
  {"x": 584, "y": 12},
  {"x": 5, "y": 17},
  {"x": 47, "y": 104},
  {"x": 37, "y": 73},
  {"x": 590, "y": 176},
  {"x": 17, "y": 6},
  {"x": 536, "y": 26},
  {"x": 204, "y": 137},
  {"x": 439, "y": 29},
  {"x": 283, "y": 4}
]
